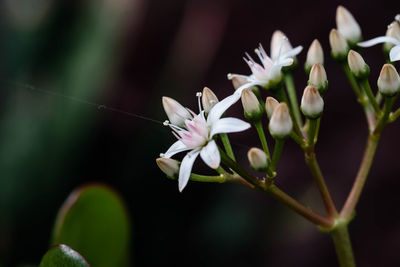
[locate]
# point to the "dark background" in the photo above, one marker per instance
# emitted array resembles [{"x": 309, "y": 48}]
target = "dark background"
[{"x": 127, "y": 54}]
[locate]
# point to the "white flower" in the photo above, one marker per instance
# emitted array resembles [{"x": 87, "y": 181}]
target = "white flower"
[
  {"x": 270, "y": 69},
  {"x": 197, "y": 136},
  {"x": 394, "y": 53}
]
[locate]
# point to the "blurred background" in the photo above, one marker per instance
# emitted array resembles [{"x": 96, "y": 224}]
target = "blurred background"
[{"x": 63, "y": 61}]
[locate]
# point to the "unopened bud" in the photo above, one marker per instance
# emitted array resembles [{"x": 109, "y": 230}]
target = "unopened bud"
[
  {"x": 348, "y": 26},
  {"x": 279, "y": 44},
  {"x": 318, "y": 78},
  {"x": 176, "y": 113},
  {"x": 280, "y": 125},
  {"x": 258, "y": 159},
  {"x": 169, "y": 166},
  {"x": 208, "y": 99},
  {"x": 312, "y": 103},
  {"x": 237, "y": 81},
  {"x": 357, "y": 65},
  {"x": 389, "y": 81},
  {"x": 270, "y": 105},
  {"x": 253, "y": 110},
  {"x": 315, "y": 55},
  {"x": 393, "y": 31},
  {"x": 339, "y": 45}
]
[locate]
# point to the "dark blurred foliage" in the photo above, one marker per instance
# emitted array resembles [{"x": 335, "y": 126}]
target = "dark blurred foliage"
[{"x": 126, "y": 54}]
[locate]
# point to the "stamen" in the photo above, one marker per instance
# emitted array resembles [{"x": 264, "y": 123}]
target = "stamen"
[
  {"x": 390, "y": 26},
  {"x": 176, "y": 128},
  {"x": 397, "y": 18},
  {"x": 229, "y": 76},
  {"x": 166, "y": 123},
  {"x": 198, "y": 94},
  {"x": 162, "y": 155}
]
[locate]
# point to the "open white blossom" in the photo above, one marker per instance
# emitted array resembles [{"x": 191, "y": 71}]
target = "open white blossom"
[
  {"x": 197, "y": 136},
  {"x": 394, "y": 54},
  {"x": 269, "y": 71}
]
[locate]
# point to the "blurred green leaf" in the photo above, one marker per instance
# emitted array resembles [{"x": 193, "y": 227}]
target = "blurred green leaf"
[
  {"x": 94, "y": 221},
  {"x": 63, "y": 256}
]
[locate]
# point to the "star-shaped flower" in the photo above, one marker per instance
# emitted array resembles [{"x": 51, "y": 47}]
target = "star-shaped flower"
[
  {"x": 268, "y": 72},
  {"x": 198, "y": 136}
]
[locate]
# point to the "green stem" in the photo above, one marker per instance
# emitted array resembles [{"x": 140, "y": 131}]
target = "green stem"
[
  {"x": 279, "y": 143},
  {"x": 368, "y": 91},
  {"x": 278, "y": 194},
  {"x": 369, "y": 153},
  {"x": 312, "y": 131},
  {"x": 227, "y": 145},
  {"x": 297, "y": 139},
  {"x": 393, "y": 116},
  {"x": 261, "y": 134},
  {"x": 317, "y": 130},
  {"x": 306, "y": 212},
  {"x": 293, "y": 98},
  {"x": 313, "y": 165},
  {"x": 353, "y": 82},
  {"x": 208, "y": 179},
  {"x": 344, "y": 251}
]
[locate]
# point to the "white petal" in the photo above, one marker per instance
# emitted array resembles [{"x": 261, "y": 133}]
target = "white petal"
[
  {"x": 176, "y": 147},
  {"x": 294, "y": 52},
  {"x": 219, "y": 109},
  {"x": 186, "y": 168},
  {"x": 379, "y": 40},
  {"x": 395, "y": 53},
  {"x": 229, "y": 125},
  {"x": 210, "y": 155},
  {"x": 284, "y": 62}
]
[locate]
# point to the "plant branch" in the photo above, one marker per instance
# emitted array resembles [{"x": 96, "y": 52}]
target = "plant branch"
[
  {"x": 293, "y": 98},
  {"x": 315, "y": 170}
]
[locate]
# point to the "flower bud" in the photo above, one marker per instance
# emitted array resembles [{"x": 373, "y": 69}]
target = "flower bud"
[
  {"x": 393, "y": 31},
  {"x": 280, "y": 125},
  {"x": 169, "y": 166},
  {"x": 237, "y": 81},
  {"x": 258, "y": 159},
  {"x": 318, "y": 78},
  {"x": 312, "y": 103},
  {"x": 315, "y": 55},
  {"x": 279, "y": 44},
  {"x": 339, "y": 45},
  {"x": 253, "y": 110},
  {"x": 389, "y": 81},
  {"x": 176, "y": 113},
  {"x": 270, "y": 105},
  {"x": 208, "y": 99},
  {"x": 357, "y": 65},
  {"x": 348, "y": 26}
]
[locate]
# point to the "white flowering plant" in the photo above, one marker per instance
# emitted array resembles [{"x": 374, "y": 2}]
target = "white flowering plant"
[{"x": 205, "y": 133}]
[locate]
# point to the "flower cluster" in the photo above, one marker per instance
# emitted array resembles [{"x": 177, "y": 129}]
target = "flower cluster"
[{"x": 203, "y": 133}]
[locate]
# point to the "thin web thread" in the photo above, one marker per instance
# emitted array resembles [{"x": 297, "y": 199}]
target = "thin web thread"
[{"x": 82, "y": 101}]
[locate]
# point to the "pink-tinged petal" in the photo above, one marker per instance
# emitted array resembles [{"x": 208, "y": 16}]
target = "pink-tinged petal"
[
  {"x": 379, "y": 40},
  {"x": 210, "y": 155},
  {"x": 294, "y": 52},
  {"x": 192, "y": 140},
  {"x": 176, "y": 147},
  {"x": 186, "y": 168},
  {"x": 395, "y": 53},
  {"x": 220, "y": 108},
  {"x": 229, "y": 125}
]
